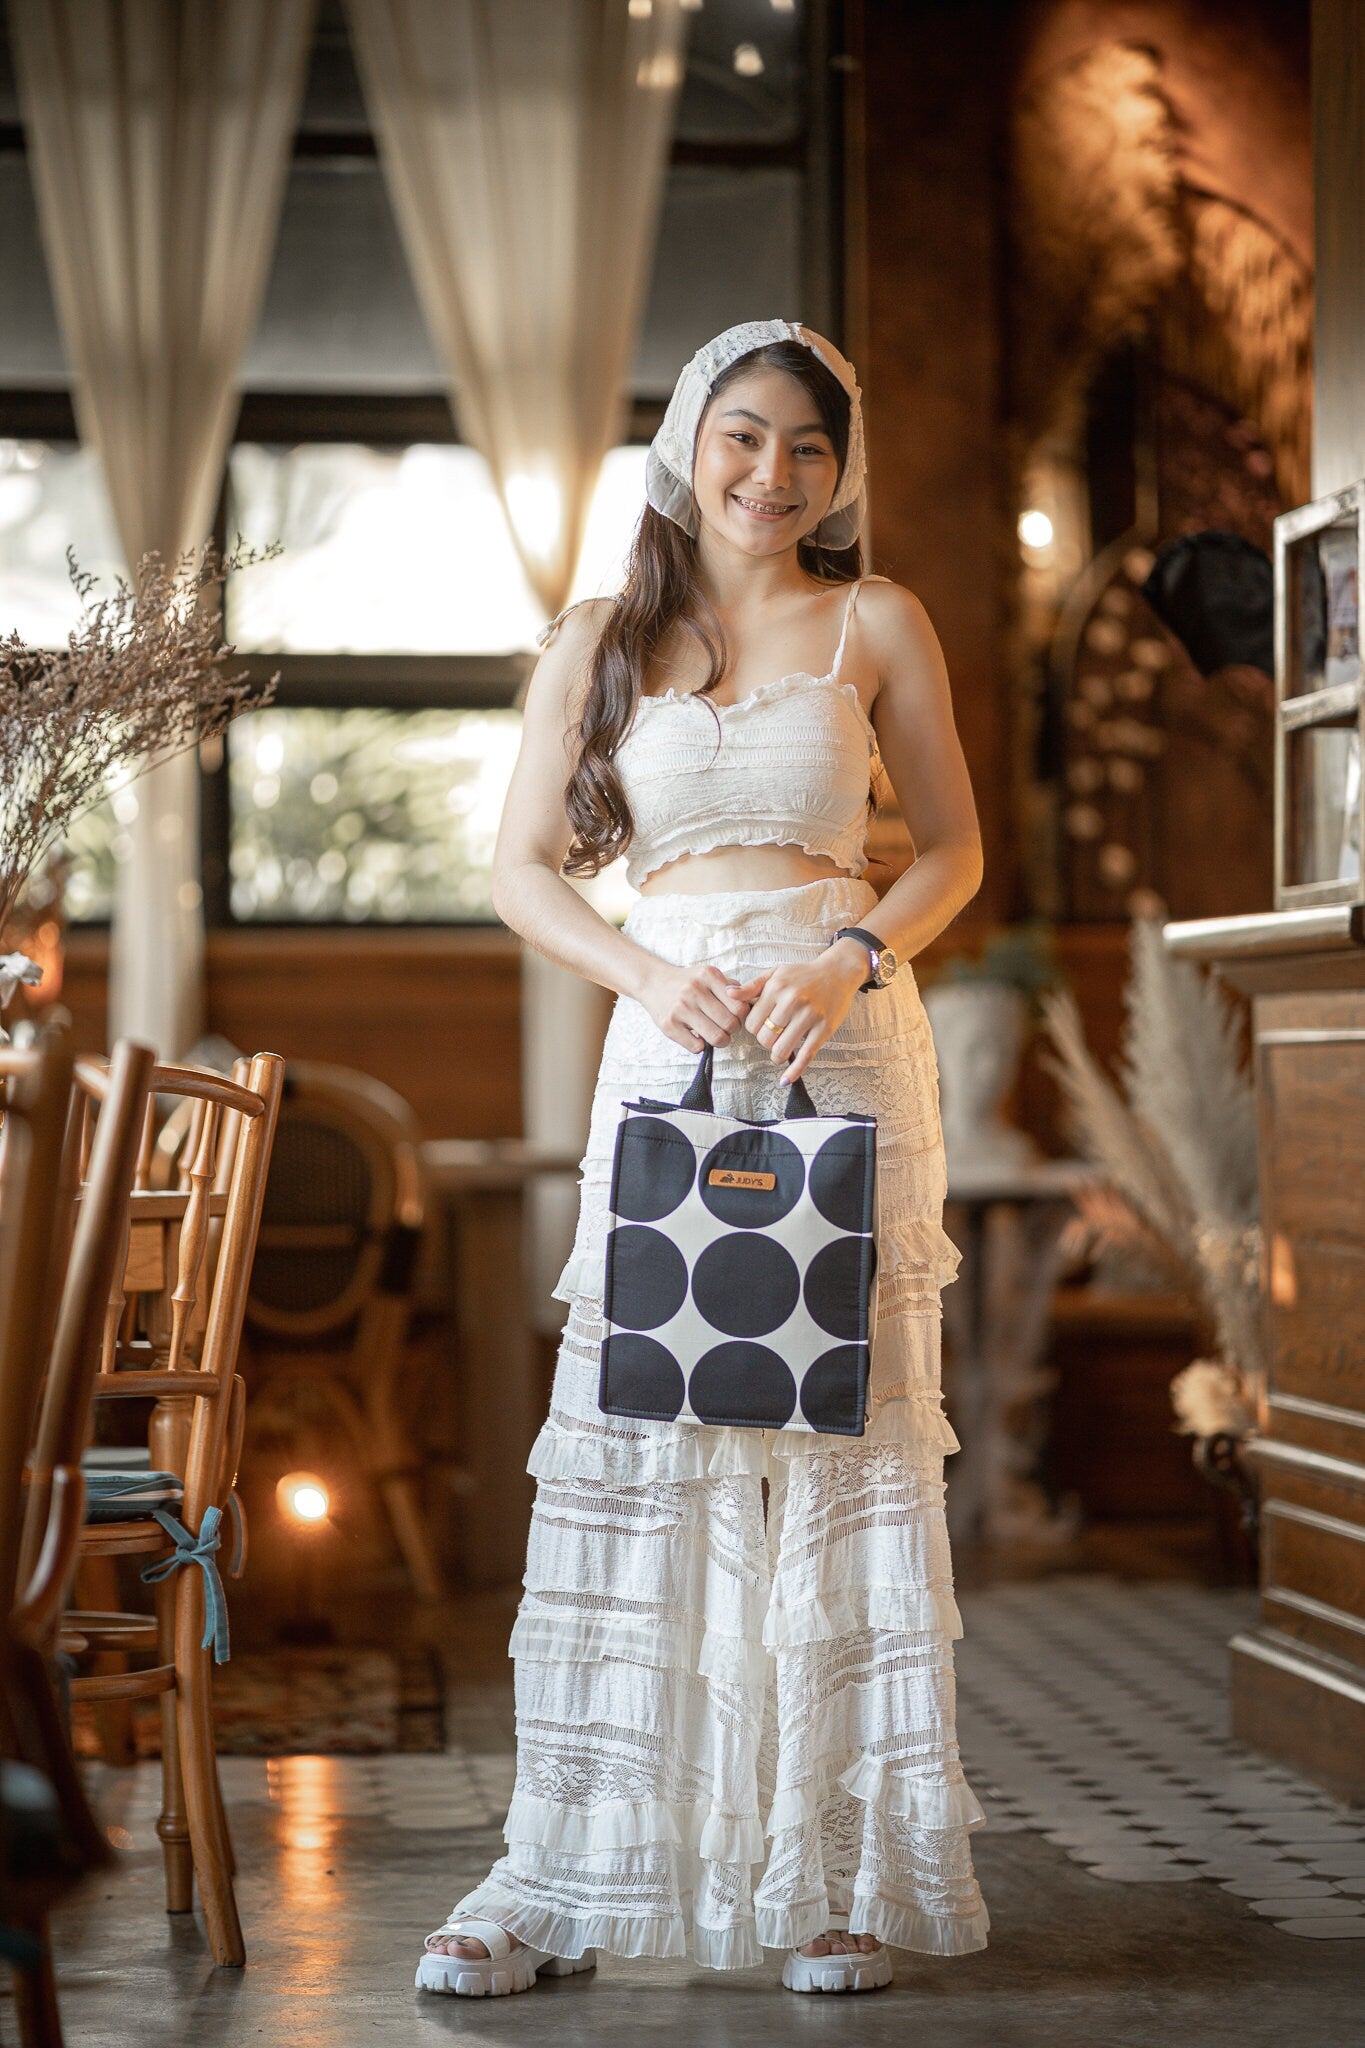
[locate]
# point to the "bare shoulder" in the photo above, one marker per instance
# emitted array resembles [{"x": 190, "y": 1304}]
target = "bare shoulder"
[
  {"x": 899, "y": 632},
  {"x": 888, "y": 610},
  {"x": 567, "y": 645},
  {"x": 575, "y": 633}
]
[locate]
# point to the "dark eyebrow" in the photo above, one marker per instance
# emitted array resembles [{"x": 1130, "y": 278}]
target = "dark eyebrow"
[{"x": 740, "y": 412}]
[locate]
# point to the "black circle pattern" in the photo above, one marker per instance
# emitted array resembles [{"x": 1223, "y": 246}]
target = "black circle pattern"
[
  {"x": 746, "y": 1285},
  {"x": 747, "y": 1152},
  {"x": 640, "y": 1376},
  {"x": 834, "y": 1390},
  {"x": 742, "y": 1383},
  {"x": 647, "y": 1277},
  {"x": 840, "y": 1184},
  {"x": 836, "y": 1284},
  {"x": 657, "y": 1164}
]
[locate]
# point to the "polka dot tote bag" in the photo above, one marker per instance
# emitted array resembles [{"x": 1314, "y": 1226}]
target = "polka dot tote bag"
[{"x": 740, "y": 1265}]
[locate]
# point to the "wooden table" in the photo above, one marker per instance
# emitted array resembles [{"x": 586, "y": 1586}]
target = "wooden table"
[{"x": 480, "y": 1187}]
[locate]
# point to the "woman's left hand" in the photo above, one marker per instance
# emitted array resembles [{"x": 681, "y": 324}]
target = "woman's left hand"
[{"x": 796, "y": 1008}]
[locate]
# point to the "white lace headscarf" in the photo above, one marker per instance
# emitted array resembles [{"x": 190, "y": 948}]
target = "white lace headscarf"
[{"x": 668, "y": 471}]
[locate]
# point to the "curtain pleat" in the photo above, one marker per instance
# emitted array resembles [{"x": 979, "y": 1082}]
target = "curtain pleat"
[
  {"x": 160, "y": 134},
  {"x": 524, "y": 146}
]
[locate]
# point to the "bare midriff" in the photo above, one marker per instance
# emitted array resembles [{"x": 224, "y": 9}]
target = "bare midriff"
[{"x": 741, "y": 867}]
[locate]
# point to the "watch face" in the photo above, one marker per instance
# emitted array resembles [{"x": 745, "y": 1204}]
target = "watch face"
[{"x": 887, "y": 963}]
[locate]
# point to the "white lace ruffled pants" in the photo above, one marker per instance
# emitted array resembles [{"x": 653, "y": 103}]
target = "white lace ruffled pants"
[{"x": 695, "y": 1678}]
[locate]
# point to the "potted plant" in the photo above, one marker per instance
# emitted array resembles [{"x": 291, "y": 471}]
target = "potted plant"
[{"x": 980, "y": 1010}]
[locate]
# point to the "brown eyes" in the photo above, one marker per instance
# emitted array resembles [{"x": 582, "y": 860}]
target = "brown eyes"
[{"x": 739, "y": 434}]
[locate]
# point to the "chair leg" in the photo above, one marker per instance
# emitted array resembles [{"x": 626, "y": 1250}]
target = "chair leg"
[
  {"x": 203, "y": 1797},
  {"x": 224, "y": 1831},
  {"x": 399, "y": 1493},
  {"x": 172, "y": 1827},
  {"x": 35, "y": 1994},
  {"x": 97, "y": 1590}
]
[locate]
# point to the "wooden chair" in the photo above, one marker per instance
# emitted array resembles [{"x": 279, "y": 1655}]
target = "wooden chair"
[
  {"x": 171, "y": 1329},
  {"x": 55, "y": 1275},
  {"x": 331, "y": 1287}
]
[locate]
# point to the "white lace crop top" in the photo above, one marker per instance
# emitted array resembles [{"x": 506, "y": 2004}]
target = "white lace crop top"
[{"x": 791, "y": 764}]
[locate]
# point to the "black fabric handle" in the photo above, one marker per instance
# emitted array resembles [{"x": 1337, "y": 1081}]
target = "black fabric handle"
[{"x": 698, "y": 1095}]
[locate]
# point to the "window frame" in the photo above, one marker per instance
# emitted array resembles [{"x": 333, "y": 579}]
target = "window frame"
[{"x": 291, "y": 417}]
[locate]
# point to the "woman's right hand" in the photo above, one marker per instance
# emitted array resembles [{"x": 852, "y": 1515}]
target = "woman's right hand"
[{"x": 694, "y": 1006}]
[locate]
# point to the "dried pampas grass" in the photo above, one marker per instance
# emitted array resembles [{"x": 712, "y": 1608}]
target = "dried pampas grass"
[
  {"x": 142, "y": 677},
  {"x": 1176, "y": 1140}
]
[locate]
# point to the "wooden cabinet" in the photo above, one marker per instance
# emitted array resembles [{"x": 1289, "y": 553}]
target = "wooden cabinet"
[{"x": 1298, "y": 1678}]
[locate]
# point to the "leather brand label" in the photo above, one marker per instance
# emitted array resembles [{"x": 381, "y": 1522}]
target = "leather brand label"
[{"x": 729, "y": 1177}]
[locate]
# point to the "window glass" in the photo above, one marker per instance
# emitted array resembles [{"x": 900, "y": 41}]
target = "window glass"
[
  {"x": 97, "y": 841},
  {"x": 399, "y": 551},
  {"x": 340, "y": 312},
  {"x": 361, "y": 816},
  {"x": 743, "y": 78},
  {"x": 31, "y": 351},
  {"x": 52, "y": 498},
  {"x": 729, "y": 249}
]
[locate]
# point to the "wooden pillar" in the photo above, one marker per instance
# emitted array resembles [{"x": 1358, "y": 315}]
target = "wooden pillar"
[
  {"x": 1339, "y": 238},
  {"x": 924, "y": 325}
]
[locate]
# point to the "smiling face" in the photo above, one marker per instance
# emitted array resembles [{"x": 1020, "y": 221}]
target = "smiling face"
[{"x": 765, "y": 469}]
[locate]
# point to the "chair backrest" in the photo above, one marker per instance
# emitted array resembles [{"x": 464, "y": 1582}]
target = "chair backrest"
[
  {"x": 35, "y": 1084},
  {"x": 168, "y": 1320},
  {"x": 44, "y": 1256},
  {"x": 344, "y": 1205},
  {"x": 98, "y": 1166}
]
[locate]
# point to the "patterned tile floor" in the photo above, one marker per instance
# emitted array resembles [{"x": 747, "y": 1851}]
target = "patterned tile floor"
[{"x": 1093, "y": 1712}]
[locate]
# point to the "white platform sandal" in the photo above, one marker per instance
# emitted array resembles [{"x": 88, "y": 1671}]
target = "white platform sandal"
[
  {"x": 503, "y": 1970},
  {"x": 852, "y": 1971}
]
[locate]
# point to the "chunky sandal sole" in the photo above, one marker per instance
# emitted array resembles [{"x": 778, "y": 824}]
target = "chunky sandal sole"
[
  {"x": 837, "y": 1972},
  {"x": 496, "y": 1976}
]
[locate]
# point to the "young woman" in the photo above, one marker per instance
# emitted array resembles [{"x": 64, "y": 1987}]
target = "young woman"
[{"x": 730, "y": 1635}]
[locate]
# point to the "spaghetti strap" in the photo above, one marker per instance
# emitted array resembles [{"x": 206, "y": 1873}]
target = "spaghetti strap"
[
  {"x": 547, "y": 633},
  {"x": 848, "y": 614},
  {"x": 843, "y": 634}
]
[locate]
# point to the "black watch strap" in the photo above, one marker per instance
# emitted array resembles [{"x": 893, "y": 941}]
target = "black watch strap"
[{"x": 868, "y": 939}]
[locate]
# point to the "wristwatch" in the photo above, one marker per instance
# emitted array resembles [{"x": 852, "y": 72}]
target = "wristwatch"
[{"x": 881, "y": 959}]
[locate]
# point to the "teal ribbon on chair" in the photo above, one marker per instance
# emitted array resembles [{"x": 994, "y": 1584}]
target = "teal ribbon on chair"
[{"x": 197, "y": 1550}]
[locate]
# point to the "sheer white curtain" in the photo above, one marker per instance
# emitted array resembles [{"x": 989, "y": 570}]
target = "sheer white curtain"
[
  {"x": 524, "y": 144},
  {"x": 160, "y": 134}
]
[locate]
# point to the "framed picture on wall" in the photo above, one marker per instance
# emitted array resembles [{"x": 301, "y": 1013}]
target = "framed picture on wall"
[{"x": 1320, "y": 702}]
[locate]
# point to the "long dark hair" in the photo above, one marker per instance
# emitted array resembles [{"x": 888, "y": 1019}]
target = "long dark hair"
[{"x": 662, "y": 588}]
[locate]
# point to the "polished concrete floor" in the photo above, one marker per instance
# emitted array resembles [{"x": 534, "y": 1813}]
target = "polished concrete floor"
[{"x": 346, "y": 1863}]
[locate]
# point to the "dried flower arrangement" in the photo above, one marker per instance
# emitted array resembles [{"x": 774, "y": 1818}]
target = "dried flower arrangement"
[
  {"x": 142, "y": 677},
  {"x": 1177, "y": 1143}
]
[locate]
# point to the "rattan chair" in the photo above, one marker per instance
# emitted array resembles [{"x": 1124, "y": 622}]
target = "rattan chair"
[{"x": 331, "y": 1287}]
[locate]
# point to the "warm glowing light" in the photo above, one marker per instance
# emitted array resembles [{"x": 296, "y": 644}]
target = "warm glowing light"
[
  {"x": 303, "y": 1497},
  {"x": 1035, "y": 529},
  {"x": 748, "y": 60},
  {"x": 659, "y": 73}
]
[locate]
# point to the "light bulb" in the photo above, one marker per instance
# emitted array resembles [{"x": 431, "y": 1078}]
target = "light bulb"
[
  {"x": 1035, "y": 529},
  {"x": 302, "y": 1497}
]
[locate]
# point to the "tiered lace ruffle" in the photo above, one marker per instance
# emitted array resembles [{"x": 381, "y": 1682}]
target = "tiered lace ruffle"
[{"x": 731, "y": 1730}]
